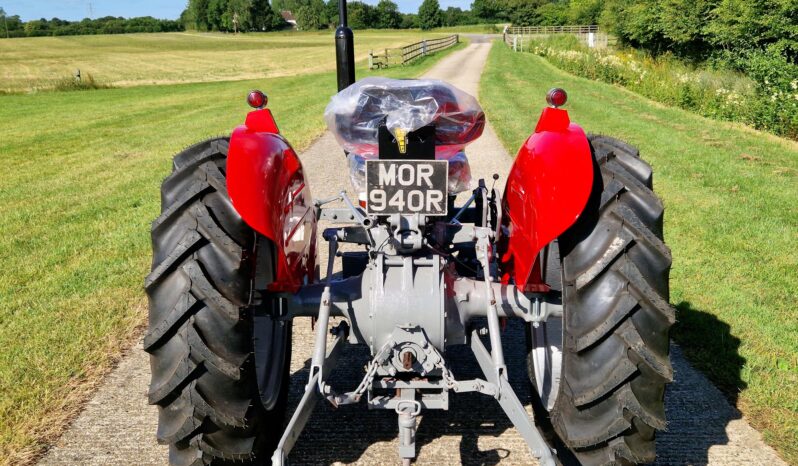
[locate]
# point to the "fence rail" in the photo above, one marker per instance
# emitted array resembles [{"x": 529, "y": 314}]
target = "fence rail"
[
  {"x": 533, "y": 30},
  {"x": 521, "y": 38},
  {"x": 408, "y": 53}
]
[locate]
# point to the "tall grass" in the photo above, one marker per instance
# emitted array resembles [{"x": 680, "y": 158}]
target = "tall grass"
[
  {"x": 85, "y": 83},
  {"x": 715, "y": 93}
]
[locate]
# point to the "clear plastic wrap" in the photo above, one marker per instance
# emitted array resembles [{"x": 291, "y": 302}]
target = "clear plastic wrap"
[
  {"x": 355, "y": 114},
  {"x": 459, "y": 173}
]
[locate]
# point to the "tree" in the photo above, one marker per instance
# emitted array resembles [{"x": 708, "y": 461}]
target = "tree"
[
  {"x": 429, "y": 14},
  {"x": 525, "y": 15},
  {"x": 454, "y": 16},
  {"x": 237, "y": 16},
  {"x": 409, "y": 21},
  {"x": 216, "y": 9},
  {"x": 683, "y": 23},
  {"x": 263, "y": 17},
  {"x": 196, "y": 15},
  {"x": 312, "y": 16},
  {"x": 35, "y": 28},
  {"x": 332, "y": 13},
  {"x": 388, "y": 16},
  {"x": 585, "y": 11},
  {"x": 279, "y": 6},
  {"x": 361, "y": 15},
  {"x": 485, "y": 10},
  {"x": 760, "y": 24},
  {"x": 635, "y": 23},
  {"x": 552, "y": 14}
]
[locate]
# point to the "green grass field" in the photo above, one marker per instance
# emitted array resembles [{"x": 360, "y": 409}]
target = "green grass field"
[
  {"x": 731, "y": 197},
  {"x": 147, "y": 59},
  {"x": 76, "y": 202}
]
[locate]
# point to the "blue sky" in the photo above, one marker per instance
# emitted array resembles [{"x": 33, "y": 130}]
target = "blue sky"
[{"x": 167, "y": 9}]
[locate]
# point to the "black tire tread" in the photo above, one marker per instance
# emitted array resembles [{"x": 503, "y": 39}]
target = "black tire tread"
[
  {"x": 200, "y": 332},
  {"x": 615, "y": 352},
  {"x": 606, "y": 148}
]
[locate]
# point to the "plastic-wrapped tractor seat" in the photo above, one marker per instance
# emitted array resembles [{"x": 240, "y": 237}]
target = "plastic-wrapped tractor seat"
[{"x": 355, "y": 114}]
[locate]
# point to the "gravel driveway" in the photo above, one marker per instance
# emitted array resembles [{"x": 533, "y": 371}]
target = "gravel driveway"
[{"x": 117, "y": 426}]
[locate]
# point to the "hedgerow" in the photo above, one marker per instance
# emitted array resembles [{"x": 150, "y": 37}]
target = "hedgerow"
[{"x": 765, "y": 96}]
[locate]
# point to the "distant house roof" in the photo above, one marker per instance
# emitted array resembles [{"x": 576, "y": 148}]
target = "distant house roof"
[{"x": 288, "y": 17}]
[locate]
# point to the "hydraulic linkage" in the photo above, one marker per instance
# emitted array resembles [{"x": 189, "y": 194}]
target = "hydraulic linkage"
[{"x": 408, "y": 306}]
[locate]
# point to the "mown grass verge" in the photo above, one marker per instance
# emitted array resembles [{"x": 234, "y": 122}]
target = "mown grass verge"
[
  {"x": 81, "y": 186},
  {"x": 731, "y": 197}
]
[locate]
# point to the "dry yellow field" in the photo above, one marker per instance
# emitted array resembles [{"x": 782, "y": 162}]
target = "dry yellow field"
[{"x": 129, "y": 60}]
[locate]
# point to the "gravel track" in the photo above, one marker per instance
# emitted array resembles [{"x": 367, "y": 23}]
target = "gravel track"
[{"x": 117, "y": 426}]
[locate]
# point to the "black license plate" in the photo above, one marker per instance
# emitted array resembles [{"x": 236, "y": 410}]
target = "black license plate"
[{"x": 407, "y": 187}]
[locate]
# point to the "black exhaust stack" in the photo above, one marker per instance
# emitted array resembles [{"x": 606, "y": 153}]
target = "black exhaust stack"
[{"x": 344, "y": 50}]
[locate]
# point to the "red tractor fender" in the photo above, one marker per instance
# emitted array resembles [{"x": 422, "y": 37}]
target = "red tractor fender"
[
  {"x": 547, "y": 190},
  {"x": 268, "y": 189}
]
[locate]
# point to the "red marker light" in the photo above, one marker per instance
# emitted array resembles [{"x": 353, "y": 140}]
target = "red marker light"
[
  {"x": 257, "y": 99},
  {"x": 557, "y": 97}
]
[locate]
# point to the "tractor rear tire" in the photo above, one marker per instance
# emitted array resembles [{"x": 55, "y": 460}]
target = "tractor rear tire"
[
  {"x": 610, "y": 370},
  {"x": 201, "y": 321}
]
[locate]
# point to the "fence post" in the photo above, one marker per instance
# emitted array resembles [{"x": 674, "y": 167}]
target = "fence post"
[
  {"x": 591, "y": 39},
  {"x": 515, "y": 43},
  {"x": 424, "y": 48},
  {"x": 371, "y": 59}
]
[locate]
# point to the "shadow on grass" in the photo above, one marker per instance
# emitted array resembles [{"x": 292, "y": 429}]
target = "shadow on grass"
[
  {"x": 711, "y": 348},
  {"x": 698, "y": 411}
]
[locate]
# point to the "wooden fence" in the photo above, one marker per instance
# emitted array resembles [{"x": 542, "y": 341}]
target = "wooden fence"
[
  {"x": 408, "y": 53},
  {"x": 520, "y": 38},
  {"x": 546, "y": 30}
]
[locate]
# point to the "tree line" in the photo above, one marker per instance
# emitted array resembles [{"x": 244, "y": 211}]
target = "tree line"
[
  {"x": 231, "y": 16},
  {"x": 260, "y": 15},
  {"x": 13, "y": 26}
]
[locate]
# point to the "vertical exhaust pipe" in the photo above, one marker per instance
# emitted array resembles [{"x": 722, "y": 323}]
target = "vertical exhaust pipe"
[{"x": 344, "y": 49}]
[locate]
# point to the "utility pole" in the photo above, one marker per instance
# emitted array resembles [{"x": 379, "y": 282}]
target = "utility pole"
[
  {"x": 5, "y": 21},
  {"x": 91, "y": 11}
]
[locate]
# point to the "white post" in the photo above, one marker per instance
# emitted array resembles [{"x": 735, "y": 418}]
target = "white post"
[
  {"x": 591, "y": 39},
  {"x": 515, "y": 43},
  {"x": 424, "y": 48}
]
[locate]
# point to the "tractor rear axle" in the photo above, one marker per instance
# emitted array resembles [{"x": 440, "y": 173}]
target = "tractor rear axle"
[{"x": 408, "y": 307}]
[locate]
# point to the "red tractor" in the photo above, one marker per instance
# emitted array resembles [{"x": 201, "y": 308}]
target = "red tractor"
[{"x": 572, "y": 246}]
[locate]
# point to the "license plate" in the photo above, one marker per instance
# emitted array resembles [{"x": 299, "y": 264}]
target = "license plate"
[{"x": 407, "y": 187}]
